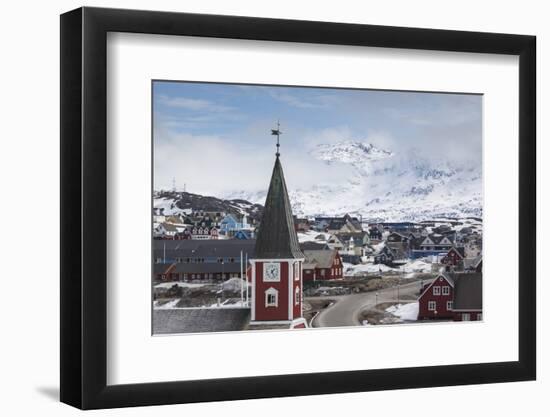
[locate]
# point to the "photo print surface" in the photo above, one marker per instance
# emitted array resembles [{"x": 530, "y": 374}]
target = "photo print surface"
[{"x": 277, "y": 207}]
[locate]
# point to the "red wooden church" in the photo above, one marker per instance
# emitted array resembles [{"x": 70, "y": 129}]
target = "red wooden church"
[{"x": 278, "y": 262}]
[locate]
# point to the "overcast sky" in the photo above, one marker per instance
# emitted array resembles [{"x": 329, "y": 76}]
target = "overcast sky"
[{"x": 216, "y": 138}]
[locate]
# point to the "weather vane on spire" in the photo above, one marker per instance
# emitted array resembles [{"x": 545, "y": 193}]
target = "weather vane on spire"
[{"x": 277, "y": 132}]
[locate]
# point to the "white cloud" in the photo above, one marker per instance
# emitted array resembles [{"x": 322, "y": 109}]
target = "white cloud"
[
  {"x": 192, "y": 104},
  {"x": 319, "y": 101},
  {"x": 215, "y": 165}
]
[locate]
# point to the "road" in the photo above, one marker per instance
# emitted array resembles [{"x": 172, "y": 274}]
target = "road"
[{"x": 345, "y": 311}]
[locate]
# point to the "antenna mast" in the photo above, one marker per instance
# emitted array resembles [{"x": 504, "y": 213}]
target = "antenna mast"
[{"x": 277, "y": 132}]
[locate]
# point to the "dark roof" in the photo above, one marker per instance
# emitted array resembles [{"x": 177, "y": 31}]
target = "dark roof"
[
  {"x": 339, "y": 218},
  {"x": 200, "y": 320},
  {"x": 436, "y": 238},
  {"x": 209, "y": 267},
  {"x": 321, "y": 258},
  {"x": 204, "y": 248},
  {"x": 277, "y": 237},
  {"x": 312, "y": 246},
  {"x": 468, "y": 291},
  {"x": 161, "y": 268},
  {"x": 398, "y": 251},
  {"x": 336, "y": 224}
]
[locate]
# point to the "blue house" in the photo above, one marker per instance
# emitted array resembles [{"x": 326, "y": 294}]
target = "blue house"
[
  {"x": 236, "y": 226},
  {"x": 229, "y": 223}
]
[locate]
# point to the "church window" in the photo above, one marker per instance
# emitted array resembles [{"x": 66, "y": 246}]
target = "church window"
[{"x": 271, "y": 297}]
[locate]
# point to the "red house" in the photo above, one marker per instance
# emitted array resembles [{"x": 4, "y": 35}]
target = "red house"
[
  {"x": 322, "y": 264},
  {"x": 436, "y": 300},
  {"x": 452, "y": 297},
  {"x": 454, "y": 256},
  {"x": 163, "y": 272}
]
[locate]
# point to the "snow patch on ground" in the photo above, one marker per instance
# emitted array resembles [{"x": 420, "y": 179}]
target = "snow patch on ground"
[
  {"x": 352, "y": 270},
  {"x": 170, "y": 304},
  {"x": 407, "y": 270},
  {"x": 168, "y": 205},
  {"x": 226, "y": 304},
  {"x": 408, "y": 312},
  {"x": 233, "y": 284},
  {"x": 418, "y": 265}
]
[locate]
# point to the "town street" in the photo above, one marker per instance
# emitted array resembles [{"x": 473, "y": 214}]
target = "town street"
[{"x": 345, "y": 311}]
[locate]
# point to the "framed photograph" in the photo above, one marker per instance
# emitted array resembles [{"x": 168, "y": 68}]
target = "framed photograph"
[{"x": 258, "y": 207}]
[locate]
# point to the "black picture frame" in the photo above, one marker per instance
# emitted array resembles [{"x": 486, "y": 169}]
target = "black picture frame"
[{"x": 84, "y": 207}]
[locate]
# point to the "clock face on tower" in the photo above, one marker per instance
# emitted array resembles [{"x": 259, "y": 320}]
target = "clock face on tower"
[{"x": 272, "y": 271}]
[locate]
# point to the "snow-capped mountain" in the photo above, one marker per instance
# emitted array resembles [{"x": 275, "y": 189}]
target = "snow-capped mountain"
[
  {"x": 387, "y": 185},
  {"x": 355, "y": 153}
]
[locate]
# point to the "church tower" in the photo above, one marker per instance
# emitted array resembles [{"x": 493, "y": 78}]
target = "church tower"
[{"x": 277, "y": 266}]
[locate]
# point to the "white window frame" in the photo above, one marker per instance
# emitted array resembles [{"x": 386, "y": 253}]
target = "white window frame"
[
  {"x": 479, "y": 316},
  {"x": 449, "y": 305},
  {"x": 296, "y": 270},
  {"x": 466, "y": 317},
  {"x": 436, "y": 290},
  {"x": 271, "y": 291},
  {"x": 446, "y": 290},
  {"x": 432, "y": 305},
  {"x": 297, "y": 296}
]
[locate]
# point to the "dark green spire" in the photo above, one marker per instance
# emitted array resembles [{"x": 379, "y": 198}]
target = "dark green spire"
[{"x": 277, "y": 237}]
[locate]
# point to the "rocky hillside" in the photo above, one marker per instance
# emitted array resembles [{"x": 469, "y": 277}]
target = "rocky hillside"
[{"x": 176, "y": 202}]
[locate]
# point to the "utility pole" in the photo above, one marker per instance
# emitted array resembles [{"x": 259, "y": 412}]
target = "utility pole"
[
  {"x": 242, "y": 287},
  {"x": 246, "y": 275},
  {"x": 399, "y": 280}
]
